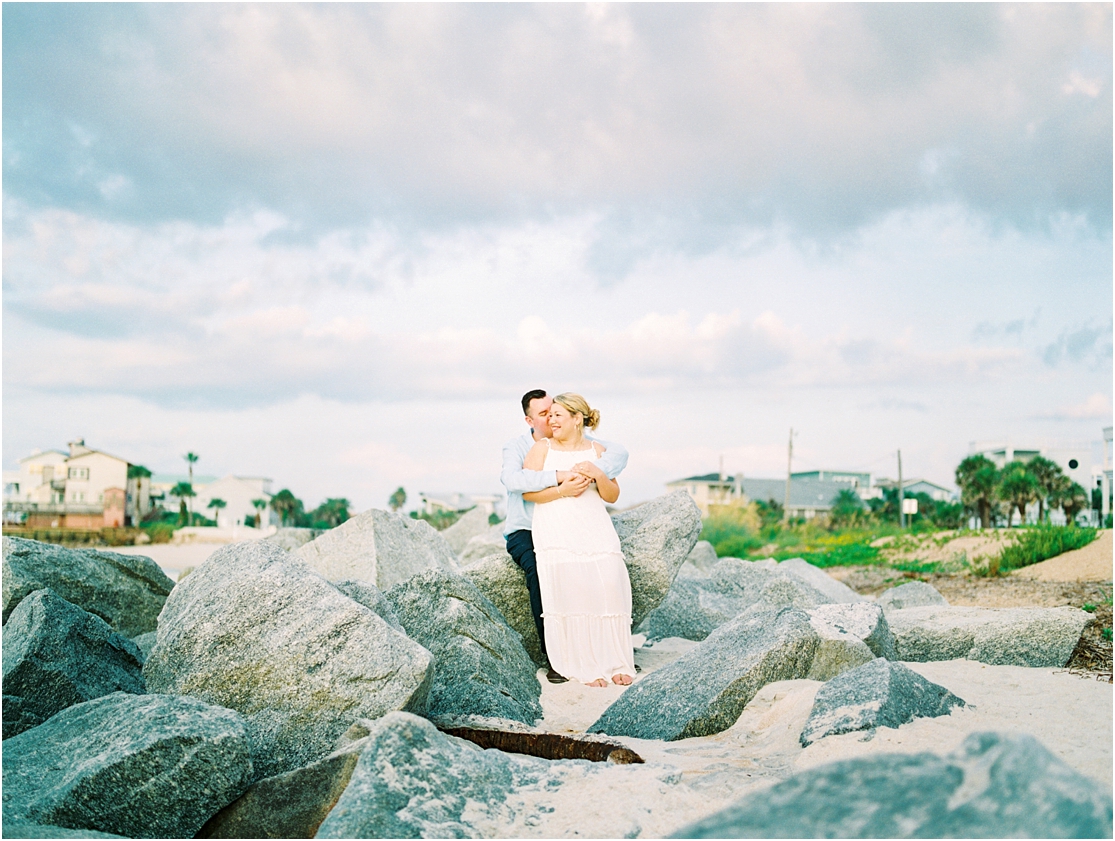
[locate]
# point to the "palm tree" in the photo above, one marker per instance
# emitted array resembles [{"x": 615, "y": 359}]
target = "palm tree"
[
  {"x": 1046, "y": 473},
  {"x": 1070, "y": 498},
  {"x": 216, "y": 504},
  {"x": 847, "y": 508},
  {"x": 190, "y": 459},
  {"x": 259, "y": 505},
  {"x": 1018, "y": 488},
  {"x": 398, "y": 499},
  {"x": 184, "y": 491},
  {"x": 285, "y": 504},
  {"x": 332, "y": 511},
  {"x": 978, "y": 477}
]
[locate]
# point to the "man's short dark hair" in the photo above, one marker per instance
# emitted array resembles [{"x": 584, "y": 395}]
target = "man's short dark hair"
[{"x": 536, "y": 394}]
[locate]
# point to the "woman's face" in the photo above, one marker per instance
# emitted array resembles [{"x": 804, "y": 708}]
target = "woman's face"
[{"x": 563, "y": 423}]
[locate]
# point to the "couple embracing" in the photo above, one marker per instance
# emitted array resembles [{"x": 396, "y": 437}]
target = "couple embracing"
[{"x": 560, "y": 534}]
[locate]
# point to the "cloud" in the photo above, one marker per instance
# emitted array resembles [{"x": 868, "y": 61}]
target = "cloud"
[
  {"x": 1081, "y": 344},
  {"x": 686, "y": 120},
  {"x": 1096, "y": 407}
]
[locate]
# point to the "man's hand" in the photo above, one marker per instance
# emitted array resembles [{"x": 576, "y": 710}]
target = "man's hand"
[
  {"x": 575, "y": 485},
  {"x": 564, "y": 476}
]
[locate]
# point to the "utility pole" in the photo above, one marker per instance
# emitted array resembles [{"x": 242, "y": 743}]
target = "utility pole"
[
  {"x": 789, "y": 464},
  {"x": 901, "y": 508}
]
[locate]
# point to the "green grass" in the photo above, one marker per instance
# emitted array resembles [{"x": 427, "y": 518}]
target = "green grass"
[{"x": 1043, "y": 542}]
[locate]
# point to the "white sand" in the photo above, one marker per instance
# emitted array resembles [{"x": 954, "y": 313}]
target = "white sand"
[
  {"x": 172, "y": 558},
  {"x": 1069, "y": 714}
]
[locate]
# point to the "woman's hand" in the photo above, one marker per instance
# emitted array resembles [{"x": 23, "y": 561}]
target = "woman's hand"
[{"x": 589, "y": 470}]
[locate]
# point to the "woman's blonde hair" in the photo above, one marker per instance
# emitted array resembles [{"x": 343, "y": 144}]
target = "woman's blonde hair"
[{"x": 578, "y": 405}]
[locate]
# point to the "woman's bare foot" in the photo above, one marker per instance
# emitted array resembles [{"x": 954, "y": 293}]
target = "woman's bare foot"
[
  {"x": 621, "y": 680},
  {"x": 598, "y": 682}
]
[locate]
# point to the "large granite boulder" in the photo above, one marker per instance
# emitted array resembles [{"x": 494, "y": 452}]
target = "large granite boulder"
[
  {"x": 24, "y": 829},
  {"x": 851, "y": 634},
  {"x": 471, "y": 524},
  {"x": 292, "y": 804},
  {"x": 702, "y": 557},
  {"x": 834, "y": 591},
  {"x": 481, "y": 666},
  {"x": 655, "y": 538},
  {"x": 705, "y": 690},
  {"x": 483, "y": 545},
  {"x": 127, "y": 591},
  {"x": 699, "y": 604},
  {"x": 145, "y": 642},
  {"x": 691, "y": 610},
  {"x": 372, "y": 598},
  {"x": 993, "y": 786},
  {"x": 878, "y": 694},
  {"x": 380, "y": 548},
  {"x": 256, "y": 630},
  {"x": 413, "y": 782},
  {"x": 910, "y": 594},
  {"x": 57, "y": 655},
  {"x": 502, "y": 582},
  {"x": 144, "y": 766},
  {"x": 1017, "y": 636},
  {"x": 293, "y": 539}
]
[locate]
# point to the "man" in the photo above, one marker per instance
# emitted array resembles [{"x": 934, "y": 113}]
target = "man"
[{"x": 516, "y": 528}]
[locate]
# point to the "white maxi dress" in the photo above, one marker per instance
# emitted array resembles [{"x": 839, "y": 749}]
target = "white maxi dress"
[{"x": 586, "y": 594}]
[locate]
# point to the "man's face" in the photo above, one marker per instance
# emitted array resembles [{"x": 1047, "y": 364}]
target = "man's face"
[{"x": 538, "y": 418}]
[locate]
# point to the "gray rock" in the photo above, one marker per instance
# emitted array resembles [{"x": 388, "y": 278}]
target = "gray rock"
[
  {"x": 145, "y": 642},
  {"x": 491, "y": 542},
  {"x": 13, "y": 829},
  {"x": 472, "y": 524},
  {"x": 691, "y": 611},
  {"x": 1017, "y": 636},
  {"x": 837, "y": 652},
  {"x": 481, "y": 666},
  {"x": 146, "y": 766},
  {"x": 705, "y": 690},
  {"x": 504, "y": 585},
  {"x": 863, "y": 620},
  {"x": 911, "y": 594},
  {"x": 380, "y": 548},
  {"x": 993, "y": 786},
  {"x": 372, "y": 598},
  {"x": 290, "y": 805},
  {"x": 57, "y": 655},
  {"x": 834, "y": 591},
  {"x": 697, "y": 604},
  {"x": 656, "y": 537},
  {"x": 256, "y": 630},
  {"x": 413, "y": 782},
  {"x": 702, "y": 556},
  {"x": 878, "y": 694},
  {"x": 293, "y": 539},
  {"x": 127, "y": 591}
]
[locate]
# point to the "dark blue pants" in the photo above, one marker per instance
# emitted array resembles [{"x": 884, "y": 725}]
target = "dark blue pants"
[{"x": 520, "y": 545}]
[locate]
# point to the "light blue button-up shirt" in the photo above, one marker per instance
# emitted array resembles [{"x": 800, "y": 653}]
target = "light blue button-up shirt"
[{"x": 518, "y": 481}]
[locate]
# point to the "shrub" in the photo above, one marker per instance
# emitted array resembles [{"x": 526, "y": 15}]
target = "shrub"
[
  {"x": 160, "y": 532},
  {"x": 1043, "y": 542}
]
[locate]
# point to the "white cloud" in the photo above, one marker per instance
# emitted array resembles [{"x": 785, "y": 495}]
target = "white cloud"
[{"x": 1096, "y": 407}]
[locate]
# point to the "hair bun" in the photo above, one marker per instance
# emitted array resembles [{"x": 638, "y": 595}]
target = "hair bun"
[{"x": 592, "y": 419}]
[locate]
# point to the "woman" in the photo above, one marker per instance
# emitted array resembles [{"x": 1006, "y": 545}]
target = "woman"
[{"x": 586, "y": 594}]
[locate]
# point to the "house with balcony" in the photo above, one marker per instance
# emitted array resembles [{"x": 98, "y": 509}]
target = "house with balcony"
[{"x": 82, "y": 489}]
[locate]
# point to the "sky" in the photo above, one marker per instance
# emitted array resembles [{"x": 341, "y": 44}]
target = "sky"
[{"x": 334, "y": 244}]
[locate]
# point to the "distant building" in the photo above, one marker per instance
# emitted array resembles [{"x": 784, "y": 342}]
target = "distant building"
[
  {"x": 1106, "y": 486},
  {"x": 915, "y": 486},
  {"x": 84, "y": 489},
  {"x": 238, "y": 493},
  {"x": 433, "y": 503},
  {"x": 1073, "y": 457},
  {"x": 808, "y": 496}
]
